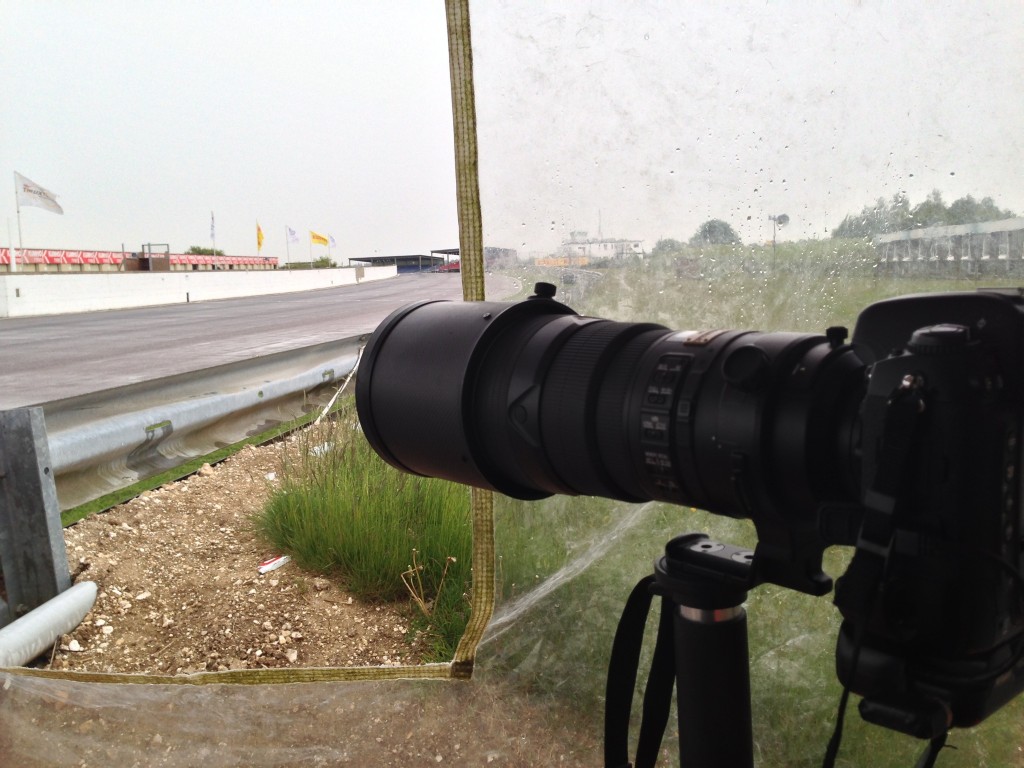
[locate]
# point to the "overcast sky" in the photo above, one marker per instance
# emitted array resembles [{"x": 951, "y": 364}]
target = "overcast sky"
[
  {"x": 650, "y": 121},
  {"x": 144, "y": 117}
]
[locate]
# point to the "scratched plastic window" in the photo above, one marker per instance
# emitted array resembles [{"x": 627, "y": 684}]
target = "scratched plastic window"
[{"x": 704, "y": 166}]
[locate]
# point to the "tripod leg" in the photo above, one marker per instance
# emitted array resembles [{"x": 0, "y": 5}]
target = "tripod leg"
[
  {"x": 713, "y": 687},
  {"x": 706, "y": 584},
  {"x": 931, "y": 752}
]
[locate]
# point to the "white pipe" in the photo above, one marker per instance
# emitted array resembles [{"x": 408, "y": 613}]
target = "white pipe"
[{"x": 25, "y": 638}]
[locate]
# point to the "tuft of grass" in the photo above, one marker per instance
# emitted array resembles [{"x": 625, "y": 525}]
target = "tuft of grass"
[{"x": 342, "y": 511}]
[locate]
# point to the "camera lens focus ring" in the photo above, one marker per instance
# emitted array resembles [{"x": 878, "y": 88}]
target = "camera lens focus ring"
[{"x": 569, "y": 404}]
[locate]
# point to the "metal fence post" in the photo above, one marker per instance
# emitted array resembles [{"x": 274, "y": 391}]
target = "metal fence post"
[{"x": 33, "y": 559}]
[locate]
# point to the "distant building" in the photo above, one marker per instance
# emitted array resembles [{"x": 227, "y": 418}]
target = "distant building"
[
  {"x": 990, "y": 247},
  {"x": 439, "y": 260},
  {"x": 500, "y": 257},
  {"x": 403, "y": 263},
  {"x": 494, "y": 257},
  {"x": 580, "y": 246}
]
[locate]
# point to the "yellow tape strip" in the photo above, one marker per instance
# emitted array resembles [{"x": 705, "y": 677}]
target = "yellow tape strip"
[
  {"x": 251, "y": 676},
  {"x": 471, "y": 253},
  {"x": 467, "y": 184}
]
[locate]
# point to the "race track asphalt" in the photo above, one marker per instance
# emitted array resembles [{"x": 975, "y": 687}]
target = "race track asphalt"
[{"x": 49, "y": 358}]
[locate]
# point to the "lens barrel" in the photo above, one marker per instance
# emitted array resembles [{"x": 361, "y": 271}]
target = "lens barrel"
[{"x": 531, "y": 399}]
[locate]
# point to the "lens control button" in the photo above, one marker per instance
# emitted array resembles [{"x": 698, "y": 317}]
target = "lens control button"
[{"x": 747, "y": 368}]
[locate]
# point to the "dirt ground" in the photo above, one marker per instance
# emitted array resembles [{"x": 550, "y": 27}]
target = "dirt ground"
[
  {"x": 179, "y": 592},
  {"x": 179, "y": 589}
]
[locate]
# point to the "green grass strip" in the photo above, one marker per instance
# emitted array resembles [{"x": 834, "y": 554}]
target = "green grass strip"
[{"x": 341, "y": 511}]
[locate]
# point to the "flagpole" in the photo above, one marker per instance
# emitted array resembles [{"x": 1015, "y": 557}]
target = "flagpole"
[
  {"x": 17, "y": 207},
  {"x": 287, "y": 248},
  {"x": 10, "y": 244}
]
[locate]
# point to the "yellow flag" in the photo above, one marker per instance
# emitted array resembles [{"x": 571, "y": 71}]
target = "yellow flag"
[
  {"x": 316, "y": 238},
  {"x": 259, "y": 238}
]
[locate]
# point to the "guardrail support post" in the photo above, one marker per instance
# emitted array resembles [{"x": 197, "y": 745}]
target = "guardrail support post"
[{"x": 33, "y": 559}]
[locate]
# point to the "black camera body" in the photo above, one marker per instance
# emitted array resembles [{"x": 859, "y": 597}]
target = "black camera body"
[
  {"x": 905, "y": 443},
  {"x": 934, "y": 586}
]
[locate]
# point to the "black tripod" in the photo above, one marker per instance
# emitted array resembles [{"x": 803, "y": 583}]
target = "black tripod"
[
  {"x": 702, "y": 643},
  {"x": 702, "y": 651}
]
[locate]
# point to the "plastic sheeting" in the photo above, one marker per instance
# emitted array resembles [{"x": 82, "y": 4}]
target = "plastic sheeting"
[{"x": 536, "y": 696}]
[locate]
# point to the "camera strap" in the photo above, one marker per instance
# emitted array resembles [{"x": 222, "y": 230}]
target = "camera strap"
[
  {"x": 622, "y": 673},
  {"x": 878, "y": 534},
  {"x": 899, "y": 433},
  {"x": 879, "y": 537}
]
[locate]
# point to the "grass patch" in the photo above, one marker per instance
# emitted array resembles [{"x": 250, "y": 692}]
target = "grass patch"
[
  {"x": 387, "y": 535},
  {"x": 808, "y": 286}
]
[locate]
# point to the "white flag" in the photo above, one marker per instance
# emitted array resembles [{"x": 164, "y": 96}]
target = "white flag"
[
  {"x": 30, "y": 193},
  {"x": 293, "y": 236},
  {"x": 331, "y": 238}
]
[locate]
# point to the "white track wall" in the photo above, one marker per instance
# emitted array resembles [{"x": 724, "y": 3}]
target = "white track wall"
[{"x": 28, "y": 294}]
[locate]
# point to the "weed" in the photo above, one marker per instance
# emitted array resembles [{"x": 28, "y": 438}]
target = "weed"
[{"x": 341, "y": 510}]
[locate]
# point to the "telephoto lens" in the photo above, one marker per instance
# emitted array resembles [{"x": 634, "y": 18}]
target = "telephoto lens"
[
  {"x": 905, "y": 444},
  {"x": 531, "y": 399}
]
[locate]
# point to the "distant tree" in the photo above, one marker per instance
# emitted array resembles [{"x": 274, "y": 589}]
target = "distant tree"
[
  {"x": 667, "y": 247},
  {"x": 200, "y": 251},
  {"x": 884, "y": 216},
  {"x": 324, "y": 262},
  {"x": 897, "y": 215},
  {"x": 931, "y": 213},
  {"x": 714, "y": 232},
  {"x": 967, "y": 210}
]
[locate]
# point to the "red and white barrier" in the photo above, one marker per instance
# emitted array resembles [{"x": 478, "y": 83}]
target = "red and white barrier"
[{"x": 55, "y": 256}]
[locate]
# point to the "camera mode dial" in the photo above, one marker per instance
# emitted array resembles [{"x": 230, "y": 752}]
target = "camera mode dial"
[{"x": 941, "y": 339}]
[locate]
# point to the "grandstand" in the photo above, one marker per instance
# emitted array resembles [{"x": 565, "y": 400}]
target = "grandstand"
[{"x": 60, "y": 260}]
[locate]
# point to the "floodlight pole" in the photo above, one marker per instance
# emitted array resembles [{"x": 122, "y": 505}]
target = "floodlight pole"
[{"x": 777, "y": 221}]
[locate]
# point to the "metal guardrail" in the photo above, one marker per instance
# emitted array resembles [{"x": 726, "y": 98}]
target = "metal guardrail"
[
  {"x": 108, "y": 440},
  {"x": 33, "y": 558}
]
